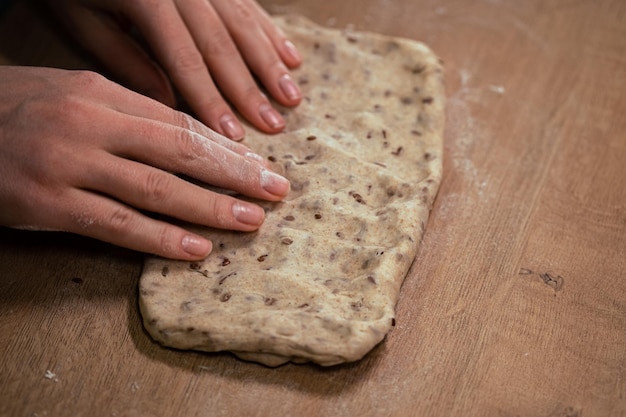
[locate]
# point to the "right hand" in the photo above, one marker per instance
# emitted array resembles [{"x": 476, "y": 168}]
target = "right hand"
[
  {"x": 208, "y": 49},
  {"x": 79, "y": 153}
]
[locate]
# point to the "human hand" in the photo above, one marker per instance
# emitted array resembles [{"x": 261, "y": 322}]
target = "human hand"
[
  {"x": 82, "y": 154},
  {"x": 204, "y": 46}
]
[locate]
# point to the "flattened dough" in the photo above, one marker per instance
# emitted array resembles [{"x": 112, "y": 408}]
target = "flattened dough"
[{"x": 320, "y": 280}]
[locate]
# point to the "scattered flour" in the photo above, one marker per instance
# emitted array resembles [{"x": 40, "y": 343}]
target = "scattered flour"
[
  {"x": 498, "y": 89},
  {"x": 51, "y": 376},
  {"x": 464, "y": 130},
  {"x": 464, "y": 134}
]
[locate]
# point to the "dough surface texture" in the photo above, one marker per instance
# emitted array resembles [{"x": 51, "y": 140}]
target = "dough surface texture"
[{"x": 320, "y": 280}]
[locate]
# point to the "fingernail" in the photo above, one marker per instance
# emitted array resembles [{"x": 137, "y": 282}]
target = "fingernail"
[
  {"x": 196, "y": 246},
  {"x": 292, "y": 51},
  {"x": 289, "y": 88},
  {"x": 231, "y": 127},
  {"x": 271, "y": 116},
  {"x": 274, "y": 183},
  {"x": 249, "y": 214}
]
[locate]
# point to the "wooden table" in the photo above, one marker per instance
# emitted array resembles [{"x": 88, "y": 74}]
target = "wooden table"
[{"x": 515, "y": 305}]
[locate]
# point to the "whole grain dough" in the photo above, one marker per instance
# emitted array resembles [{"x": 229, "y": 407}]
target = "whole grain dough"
[{"x": 320, "y": 280}]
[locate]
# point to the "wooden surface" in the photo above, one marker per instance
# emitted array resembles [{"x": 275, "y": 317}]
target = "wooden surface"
[{"x": 515, "y": 305}]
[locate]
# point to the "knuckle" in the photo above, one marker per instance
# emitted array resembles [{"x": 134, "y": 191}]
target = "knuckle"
[
  {"x": 183, "y": 120},
  {"x": 157, "y": 187},
  {"x": 222, "y": 213},
  {"x": 250, "y": 13},
  {"x": 242, "y": 11},
  {"x": 84, "y": 80},
  {"x": 251, "y": 94},
  {"x": 166, "y": 245},
  {"x": 219, "y": 44},
  {"x": 185, "y": 147},
  {"x": 242, "y": 8},
  {"x": 121, "y": 219},
  {"x": 188, "y": 59}
]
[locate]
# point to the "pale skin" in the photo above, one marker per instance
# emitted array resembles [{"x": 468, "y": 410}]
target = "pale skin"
[{"x": 82, "y": 154}]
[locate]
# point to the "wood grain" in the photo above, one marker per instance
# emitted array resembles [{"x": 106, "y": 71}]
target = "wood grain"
[{"x": 516, "y": 302}]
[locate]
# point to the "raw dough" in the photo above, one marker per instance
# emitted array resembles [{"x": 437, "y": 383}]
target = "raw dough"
[{"x": 320, "y": 280}]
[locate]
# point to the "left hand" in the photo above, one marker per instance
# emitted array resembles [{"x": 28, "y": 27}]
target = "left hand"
[{"x": 208, "y": 49}]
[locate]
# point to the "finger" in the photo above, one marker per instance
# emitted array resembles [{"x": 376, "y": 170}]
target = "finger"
[
  {"x": 121, "y": 55},
  {"x": 227, "y": 66},
  {"x": 128, "y": 103},
  {"x": 183, "y": 151},
  {"x": 286, "y": 49},
  {"x": 185, "y": 121},
  {"x": 152, "y": 189},
  {"x": 242, "y": 20},
  {"x": 104, "y": 219},
  {"x": 172, "y": 43}
]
